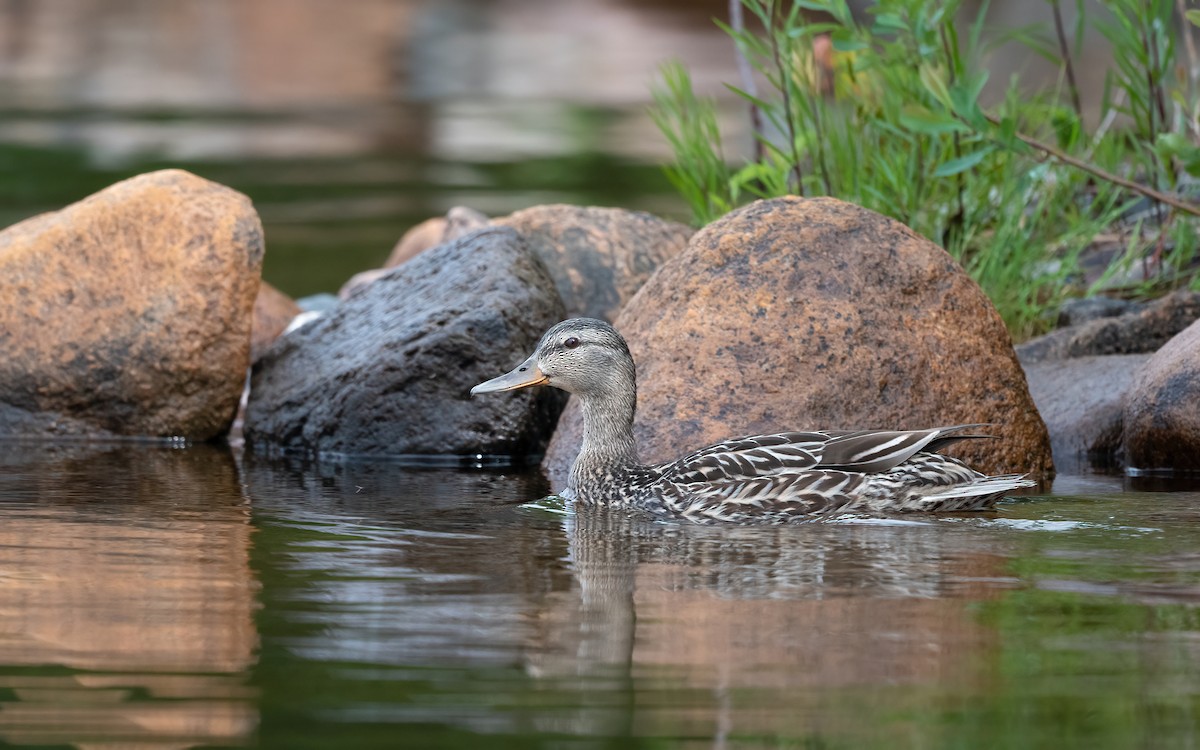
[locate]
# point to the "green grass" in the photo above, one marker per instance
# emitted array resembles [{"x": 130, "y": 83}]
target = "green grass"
[{"x": 883, "y": 110}]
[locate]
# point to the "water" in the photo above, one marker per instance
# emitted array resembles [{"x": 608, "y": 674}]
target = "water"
[{"x": 154, "y": 596}]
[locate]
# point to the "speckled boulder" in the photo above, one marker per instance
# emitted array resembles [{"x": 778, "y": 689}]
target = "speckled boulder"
[
  {"x": 1162, "y": 407},
  {"x": 599, "y": 257},
  {"x": 129, "y": 312},
  {"x": 389, "y": 370},
  {"x": 797, "y": 314},
  {"x": 273, "y": 310}
]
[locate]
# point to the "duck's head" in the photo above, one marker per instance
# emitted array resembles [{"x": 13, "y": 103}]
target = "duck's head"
[{"x": 582, "y": 355}]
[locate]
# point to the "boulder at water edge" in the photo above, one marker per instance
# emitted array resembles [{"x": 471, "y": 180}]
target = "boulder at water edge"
[
  {"x": 1162, "y": 407},
  {"x": 129, "y": 312},
  {"x": 599, "y": 257},
  {"x": 1081, "y": 400},
  {"x": 809, "y": 314},
  {"x": 1079, "y": 374},
  {"x": 389, "y": 370}
]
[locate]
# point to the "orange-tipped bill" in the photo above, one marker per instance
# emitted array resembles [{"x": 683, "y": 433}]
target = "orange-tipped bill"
[{"x": 526, "y": 374}]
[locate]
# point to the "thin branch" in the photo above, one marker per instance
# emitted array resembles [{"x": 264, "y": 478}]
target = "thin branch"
[
  {"x": 1092, "y": 169},
  {"x": 737, "y": 22},
  {"x": 1065, "y": 51}
]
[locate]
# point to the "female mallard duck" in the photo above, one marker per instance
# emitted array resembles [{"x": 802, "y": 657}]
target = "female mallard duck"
[{"x": 779, "y": 478}]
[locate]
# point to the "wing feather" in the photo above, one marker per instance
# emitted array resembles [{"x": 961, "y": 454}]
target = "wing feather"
[
  {"x": 764, "y": 456},
  {"x": 749, "y": 457},
  {"x": 872, "y": 451}
]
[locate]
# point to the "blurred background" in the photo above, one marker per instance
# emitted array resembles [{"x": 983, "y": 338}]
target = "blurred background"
[{"x": 348, "y": 122}]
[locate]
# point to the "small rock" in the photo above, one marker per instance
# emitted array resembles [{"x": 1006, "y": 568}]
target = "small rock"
[
  {"x": 319, "y": 303},
  {"x": 129, "y": 312},
  {"x": 599, "y": 257},
  {"x": 461, "y": 221},
  {"x": 417, "y": 240},
  {"x": 273, "y": 311},
  {"x": 1082, "y": 400},
  {"x": 359, "y": 281},
  {"x": 811, "y": 314},
  {"x": 390, "y": 369},
  {"x": 1075, "y": 312},
  {"x": 1139, "y": 332},
  {"x": 458, "y": 222},
  {"x": 1162, "y": 407}
]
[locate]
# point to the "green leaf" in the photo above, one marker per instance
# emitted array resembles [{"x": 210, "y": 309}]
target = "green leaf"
[
  {"x": 964, "y": 100},
  {"x": 921, "y": 120},
  {"x": 849, "y": 45},
  {"x": 1006, "y": 134},
  {"x": 963, "y": 163},
  {"x": 1067, "y": 128},
  {"x": 1177, "y": 146},
  {"x": 889, "y": 22},
  {"x": 935, "y": 84},
  {"x": 845, "y": 41},
  {"x": 1193, "y": 16}
]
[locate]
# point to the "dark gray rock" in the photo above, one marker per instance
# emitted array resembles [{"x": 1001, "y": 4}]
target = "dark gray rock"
[
  {"x": 389, "y": 370},
  {"x": 1162, "y": 407},
  {"x": 599, "y": 257},
  {"x": 1081, "y": 401},
  {"x": 1078, "y": 311},
  {"x": 1139, "y": 332}
]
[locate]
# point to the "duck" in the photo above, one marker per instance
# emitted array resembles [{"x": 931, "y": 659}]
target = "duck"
[{"x": 778, "y": 478}]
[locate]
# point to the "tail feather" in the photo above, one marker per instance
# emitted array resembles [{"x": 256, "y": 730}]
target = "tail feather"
[
  {"x": 984, "y": 486},
  {"x": 978, "y": 495}
]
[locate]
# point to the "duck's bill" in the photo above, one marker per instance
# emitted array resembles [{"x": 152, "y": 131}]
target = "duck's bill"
[{"x": 526, "y": 374}]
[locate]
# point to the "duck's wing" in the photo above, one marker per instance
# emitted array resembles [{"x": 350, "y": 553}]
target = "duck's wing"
[
  {"x": 854, "y": 451},
  {"x": 749, "y": 457},
  {"x": 870, "y": 451}
]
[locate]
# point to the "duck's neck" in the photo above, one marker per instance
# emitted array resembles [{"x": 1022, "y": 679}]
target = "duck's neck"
[{"x": 608, "y": 450}]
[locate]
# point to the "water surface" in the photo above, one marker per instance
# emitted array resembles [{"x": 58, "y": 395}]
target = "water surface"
[{"x": 167, "y": 597}]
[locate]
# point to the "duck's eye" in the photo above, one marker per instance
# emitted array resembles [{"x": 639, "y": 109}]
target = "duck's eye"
[{"x": 571, "y": 343}]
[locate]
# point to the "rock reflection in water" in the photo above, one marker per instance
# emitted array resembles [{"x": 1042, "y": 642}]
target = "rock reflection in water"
[
  {"x": 422, "y": 566},
  {"x": 126, "y": 600}
]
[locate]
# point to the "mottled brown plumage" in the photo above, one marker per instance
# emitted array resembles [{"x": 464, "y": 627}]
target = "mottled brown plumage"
[{"x": 777, "y": 478}]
